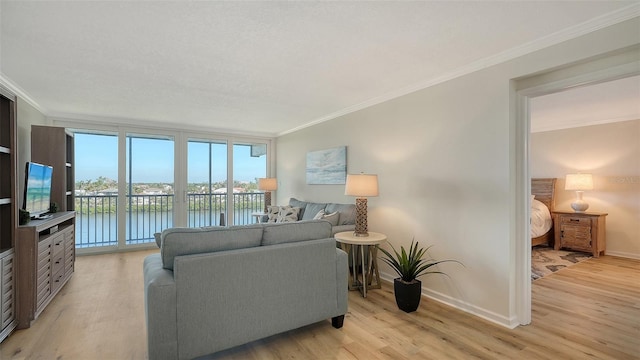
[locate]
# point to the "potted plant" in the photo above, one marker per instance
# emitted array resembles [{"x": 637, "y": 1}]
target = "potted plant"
[{"x": 409, "y": 266}]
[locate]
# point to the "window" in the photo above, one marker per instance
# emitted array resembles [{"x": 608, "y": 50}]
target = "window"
[
  {"x": 249, "y": 164},
  {"x": 207, "y": 183},
  {"x": 96, "y": 189},
  {"x": 150, "y": 186},
  {"x": 127, "y": 187}
]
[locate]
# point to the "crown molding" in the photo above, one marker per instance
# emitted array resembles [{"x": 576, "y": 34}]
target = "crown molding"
[
  {"x": 576, "y": 123},
  {"x": 603, "y": 21},
  {"x": 6, "y": 82},
  {"x": 103, "y": 123}
]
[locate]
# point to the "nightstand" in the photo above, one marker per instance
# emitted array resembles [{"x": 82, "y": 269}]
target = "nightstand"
[{"x": 580, "y": 231}]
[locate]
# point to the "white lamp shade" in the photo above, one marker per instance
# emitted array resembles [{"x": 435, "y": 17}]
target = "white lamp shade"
[
  {"x": 361, "y": 185},
  {"x": 268, "y": 184},
  {"x": 578, "y": 182}
]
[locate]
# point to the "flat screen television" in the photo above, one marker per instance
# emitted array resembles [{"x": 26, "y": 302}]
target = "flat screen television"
[{"x": 37, "y": 190}]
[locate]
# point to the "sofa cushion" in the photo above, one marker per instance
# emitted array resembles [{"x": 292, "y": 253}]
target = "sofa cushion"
[
  {"x": 281, "y": 233},
  {"x": 347, "y": 212},
  {"x": 311, "y": 210},
  {"x": 185, "y": 241},
  {"x": 319, "y": 215}
]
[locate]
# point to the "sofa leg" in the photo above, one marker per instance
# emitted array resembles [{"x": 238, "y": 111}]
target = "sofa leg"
[{"x": 337, "y": 321}]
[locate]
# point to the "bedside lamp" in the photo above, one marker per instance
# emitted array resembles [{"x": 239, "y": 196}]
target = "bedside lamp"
[
  {"x": 361, "y": 186},
  {"x": 267, "y": 185},
  {"x": 579, "y": 183}
]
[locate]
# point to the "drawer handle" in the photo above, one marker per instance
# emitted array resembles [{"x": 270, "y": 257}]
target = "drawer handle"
[{"x": 574, "y": 220}]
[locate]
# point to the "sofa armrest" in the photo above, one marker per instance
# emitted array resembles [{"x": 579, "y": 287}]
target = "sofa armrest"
[
  {"x": 160, "y": 309},
  {"x": 342, "y": 279},
  {"x": 340, "y": 228}
]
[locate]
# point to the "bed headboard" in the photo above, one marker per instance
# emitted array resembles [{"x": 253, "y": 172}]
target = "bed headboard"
[{"x": 545, "y": 191}]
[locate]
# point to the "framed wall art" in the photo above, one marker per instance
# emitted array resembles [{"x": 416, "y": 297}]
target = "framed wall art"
[{"x": 327, "y": 166}]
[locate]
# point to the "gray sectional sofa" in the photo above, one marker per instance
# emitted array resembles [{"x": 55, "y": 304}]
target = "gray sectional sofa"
[
  {"x": 211, "y": 289},
  {"x": 345, "y": 221}
]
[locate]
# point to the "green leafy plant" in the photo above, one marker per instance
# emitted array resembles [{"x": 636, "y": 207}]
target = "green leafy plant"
[{"x": 411, "y": 265}]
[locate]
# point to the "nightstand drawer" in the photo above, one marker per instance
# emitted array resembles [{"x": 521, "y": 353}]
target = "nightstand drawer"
[{"x": 575, "y": 221}]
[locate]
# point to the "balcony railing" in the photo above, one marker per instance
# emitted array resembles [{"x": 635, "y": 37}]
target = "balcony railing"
[{"x": 97, "y": 220}]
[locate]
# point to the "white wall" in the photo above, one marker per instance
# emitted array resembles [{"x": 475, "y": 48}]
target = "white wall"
[
  {"x": 26, "y": 116},
  {"x": 611, "y": 153},
  {"x": 445, "y": 171}
]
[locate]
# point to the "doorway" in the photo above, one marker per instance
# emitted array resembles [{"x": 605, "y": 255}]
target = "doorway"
[{"x": 616, "y": 66}]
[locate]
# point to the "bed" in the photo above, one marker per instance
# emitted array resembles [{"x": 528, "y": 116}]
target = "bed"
[{"x": 542, "y": 204}]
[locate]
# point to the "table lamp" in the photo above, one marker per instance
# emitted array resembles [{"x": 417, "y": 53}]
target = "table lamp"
[
  {"x": 267, "y": 185},
  {"x": 361, "y": 186},
  {"x": 579, "y": 183}
]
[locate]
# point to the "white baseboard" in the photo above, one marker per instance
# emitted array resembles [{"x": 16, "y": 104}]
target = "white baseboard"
[
  {"x": 623, "y": 254},
  {"x": 491, "y": 316}
]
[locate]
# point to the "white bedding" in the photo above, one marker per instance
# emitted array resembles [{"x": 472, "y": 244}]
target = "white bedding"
[{"x": 540, "y": 218}]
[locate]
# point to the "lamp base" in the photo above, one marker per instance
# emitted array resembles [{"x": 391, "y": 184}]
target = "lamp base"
[
  {"x": 579, "y": 205},
  {"x": 267, "y": 201},
  {"x": 361, "y": 217}
]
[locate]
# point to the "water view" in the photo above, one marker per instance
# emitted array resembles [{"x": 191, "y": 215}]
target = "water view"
[{"x": 97, "y": 221}]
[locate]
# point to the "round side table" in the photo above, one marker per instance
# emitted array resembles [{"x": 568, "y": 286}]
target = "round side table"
[{"x": 347, "y": 240}]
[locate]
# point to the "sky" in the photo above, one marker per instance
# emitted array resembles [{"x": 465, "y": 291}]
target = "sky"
[{"x": 97, "y": 155}]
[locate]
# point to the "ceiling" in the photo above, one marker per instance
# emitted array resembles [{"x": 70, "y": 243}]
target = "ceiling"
[
  {"x": 263, "y": 68},
  {"x": 603, "y": 103}
]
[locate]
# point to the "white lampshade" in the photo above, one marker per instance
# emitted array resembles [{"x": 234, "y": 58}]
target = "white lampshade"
[
  {"x": 578, "y": 182},
  {"x": 361, "y": 185},
  {"x": 268, "y": 184}
]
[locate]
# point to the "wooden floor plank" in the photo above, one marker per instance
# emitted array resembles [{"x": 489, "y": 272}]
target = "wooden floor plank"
[{"x": 590, "y": 310}]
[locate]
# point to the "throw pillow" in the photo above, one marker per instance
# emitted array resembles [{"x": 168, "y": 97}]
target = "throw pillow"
[
  {"x": 298, "y": 203},
  {"x": 347, "y": 212},
  {"x": 319, "y": 215},
  {"x": 288, "y": 214},
  {"x": 332, "y": 218},
  {"x": 272, "y": 213}
]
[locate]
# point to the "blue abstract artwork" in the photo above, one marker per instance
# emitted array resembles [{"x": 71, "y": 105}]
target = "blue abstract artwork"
[{"x": 327, "y": 166}]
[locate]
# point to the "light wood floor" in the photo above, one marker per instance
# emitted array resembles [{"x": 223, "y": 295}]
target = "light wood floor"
[{"x": 588, "y": 311}]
